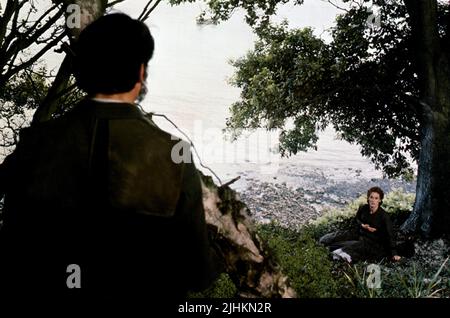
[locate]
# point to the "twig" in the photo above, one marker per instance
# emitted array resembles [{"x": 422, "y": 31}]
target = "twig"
[
  {"x": 147, "y": 14},
  {"x": 114, "y": 3},
  {"x": 336, "y": 6},
  {"x": 190, "y": 142},
  {"x": 230, "y": 182},
  {"x": 36, "y": 91},
  {"x": 145, "y": 10}
]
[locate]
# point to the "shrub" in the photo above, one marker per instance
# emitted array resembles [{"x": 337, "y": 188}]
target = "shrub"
[
  {"x": 223, "y": 287},
  {"x": 397, "y": 203},
  {"x": 302, "y": 259}
]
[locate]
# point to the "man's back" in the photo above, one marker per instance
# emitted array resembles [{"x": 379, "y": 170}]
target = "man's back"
[{"x": 99, "y": 188}]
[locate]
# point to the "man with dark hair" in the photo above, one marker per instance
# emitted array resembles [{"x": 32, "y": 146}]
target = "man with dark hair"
[
  {"x": 112, "y": 54},
  {"x": 95, "y": 204}
]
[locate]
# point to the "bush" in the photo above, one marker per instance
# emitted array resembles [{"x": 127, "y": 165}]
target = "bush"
[
  {"x": 409, "y": 279},
  {"x": 302, "y": 259},
  {"x": 397, "y": 203},
  {"x": 223, "y": 287}
]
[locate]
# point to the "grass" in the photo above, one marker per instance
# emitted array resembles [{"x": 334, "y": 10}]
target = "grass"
[{"x": 313, "y": 274}]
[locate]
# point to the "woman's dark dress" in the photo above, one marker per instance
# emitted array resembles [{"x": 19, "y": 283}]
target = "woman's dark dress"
[{"x": 363, "y": 244}]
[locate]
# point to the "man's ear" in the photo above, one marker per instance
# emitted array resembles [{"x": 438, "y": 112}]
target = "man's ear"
[{"x": 142, "y": 73}]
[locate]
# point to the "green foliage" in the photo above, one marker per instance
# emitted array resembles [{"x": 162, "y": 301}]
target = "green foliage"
[
  {"x": 306, "y": 263},
  {"x": 364, "y": 83},
  {"x": 397, "y": 203},
  {"x": 223, "y": 287},
  {"x": 18, "y": 100},
  {"x": 407, "y": 279},
  {"x": 278, "y": 83},
  {"x": 358, "y": 275},
  {"x": 20, "y": 97},
  {"x": 398, "y": 200},
  {"x": 257, "y": 12},
  {"x": 419, "y": 286}
]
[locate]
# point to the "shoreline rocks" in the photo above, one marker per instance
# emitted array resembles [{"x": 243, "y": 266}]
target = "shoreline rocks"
[{"x": 294, "y": 206}]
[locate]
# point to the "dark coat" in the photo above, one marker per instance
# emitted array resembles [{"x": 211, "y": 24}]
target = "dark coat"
[
  {"x": 384, "y": 235},
  {"x": 362, "y": 244},
  {"x": 98, "y": 188}
]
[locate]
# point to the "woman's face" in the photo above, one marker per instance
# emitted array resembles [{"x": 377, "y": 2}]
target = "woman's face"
[{"x": 374, "y": 201}]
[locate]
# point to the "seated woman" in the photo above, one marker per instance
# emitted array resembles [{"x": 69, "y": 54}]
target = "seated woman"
[{"x": 374, "y": 237}]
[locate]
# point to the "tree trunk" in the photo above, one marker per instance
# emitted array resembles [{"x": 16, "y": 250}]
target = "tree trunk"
[
  {"x": 50, "y": 103},
  {"x": 89, "y": 11},
  {"x": 431, "y": 214},
  {"x": 440, "y": 183},
  {"x": 248, "y": 263}
]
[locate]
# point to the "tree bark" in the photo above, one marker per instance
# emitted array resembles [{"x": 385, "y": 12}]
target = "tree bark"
[
  {"x": 89, "y": 11},
  {"x": 248, "y": 263},
  {"x": 431, "y": 214},
  {"x": 50, "y": 103}
]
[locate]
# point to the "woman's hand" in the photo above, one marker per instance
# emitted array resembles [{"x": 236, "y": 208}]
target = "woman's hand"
[
  {"x": 368, "y": 228},
  {"x": 396, "y": 258}
]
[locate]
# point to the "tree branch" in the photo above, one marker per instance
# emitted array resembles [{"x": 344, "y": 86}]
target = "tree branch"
[
  {"x": 335, "y": 5},
  {"x": 20, "y": 43},
  {"x": 10, "y": 9},
  {"x": 10, "y": 64},
  {"x": 59, "y": 85},
  {"x": 14, "y": 29},
  {"x": 37, "y": 95},
  {"x": 38, "y": 21},
  {"x": 4, "y": 78},
  {"x": 31, "y": 38},
  {"x": 114, "y": 3},
  {"x": 145, "y": 10},
  {"x": 51, "y": 101},
  {"x": 147, "y": 14}
]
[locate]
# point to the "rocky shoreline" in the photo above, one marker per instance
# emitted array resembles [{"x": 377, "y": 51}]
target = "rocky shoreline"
[{"x": 295, "y": 205}]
